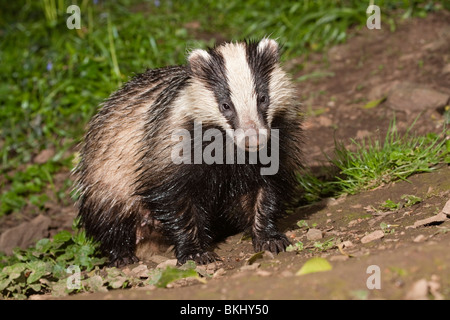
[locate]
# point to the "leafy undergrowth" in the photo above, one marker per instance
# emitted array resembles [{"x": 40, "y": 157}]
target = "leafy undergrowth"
[
  {"x": 70, "y": 263},
  {"x": 30, "y": 186}
]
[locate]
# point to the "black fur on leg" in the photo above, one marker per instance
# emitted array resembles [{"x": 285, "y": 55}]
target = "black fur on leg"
[
  {"x": 265, "y": 235},
  {"x": 117, "y": 236}
]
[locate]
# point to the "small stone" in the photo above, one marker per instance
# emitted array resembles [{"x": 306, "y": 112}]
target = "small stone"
[
  {"x": 158, "y": 259},
  {"x": 252, "y": 266},
  {"x": 168, "y": 262},
  {"x": 378, "y": 234},
  {"x": 446, "y": 208},
  {"x": 419, "y": 238},
  {"x": 347, "y": 244},
  {"x": 44, "y": 156},
  {"x": 140, "y": 271},
  {"x": 263, "y": 273},
  {"x": 314, "y": 234},
  {"x": 220, "y": 272},
  {"x": 419, "y": 291},
  {"x": 436, "y": 219},
  {"x": 446, "y": 69}
]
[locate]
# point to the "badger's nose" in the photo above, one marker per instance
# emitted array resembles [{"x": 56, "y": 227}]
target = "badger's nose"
[
  {"x": 249, "y": 125},
  {"x": 251, "y": 134},
  {"x": 252, "y": 142}
]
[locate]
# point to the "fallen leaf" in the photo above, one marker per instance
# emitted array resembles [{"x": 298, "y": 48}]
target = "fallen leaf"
[
  {"x": 374, "y": 103},
  {"x": 254, "y": 257},
  {"x": 314, "y": 265}
]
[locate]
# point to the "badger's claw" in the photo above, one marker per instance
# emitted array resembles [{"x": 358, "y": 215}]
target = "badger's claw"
[
  {"x": 123, "y": 261},
  {"x": 276, "y": 243},
  {"x": 200, "y": 258}
]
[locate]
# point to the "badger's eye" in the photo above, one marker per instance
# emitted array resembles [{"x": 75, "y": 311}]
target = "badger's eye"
[
  {"x": 262, "y": 99},
  {"x": 227, "y": 109}
]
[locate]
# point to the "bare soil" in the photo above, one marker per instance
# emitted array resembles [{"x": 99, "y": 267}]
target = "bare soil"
[{"x": 414, "y": 262}]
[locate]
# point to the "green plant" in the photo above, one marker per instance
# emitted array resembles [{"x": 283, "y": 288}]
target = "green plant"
[
  {"x": 388, "y": 228},
  {"x": 298, "y": 246},
  {"x": 30, "y": 186},
  {"x": 391, "y": 205},
  {"x": 325, "y": 245},
  {"x": 38, "y": 269}
]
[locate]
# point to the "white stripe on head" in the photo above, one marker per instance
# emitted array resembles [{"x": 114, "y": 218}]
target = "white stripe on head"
[{"x": 241, "y": 83}]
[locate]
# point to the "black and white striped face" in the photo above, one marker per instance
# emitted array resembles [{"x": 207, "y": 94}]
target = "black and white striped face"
[{"x": 237, "y": 85}]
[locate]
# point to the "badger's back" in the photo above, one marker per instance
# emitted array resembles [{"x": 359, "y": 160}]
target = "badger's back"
[{"x": 126, "y": 127}]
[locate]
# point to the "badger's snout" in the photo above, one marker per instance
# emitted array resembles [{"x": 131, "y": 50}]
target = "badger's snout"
[{"x": 250, "y": 137}]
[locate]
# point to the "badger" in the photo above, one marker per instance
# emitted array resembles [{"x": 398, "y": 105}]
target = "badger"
[{"x": 129, "y": 187}]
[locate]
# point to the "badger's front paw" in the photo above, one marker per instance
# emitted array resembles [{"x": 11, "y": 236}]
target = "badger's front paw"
[
  {"x": 123, "y": 261},
  {"x": 199, "y": 258},
  {"x": 274, "y": 243}
]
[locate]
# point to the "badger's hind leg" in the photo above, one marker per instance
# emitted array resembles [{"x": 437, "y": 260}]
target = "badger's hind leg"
[{"x": 115, "y": 229}]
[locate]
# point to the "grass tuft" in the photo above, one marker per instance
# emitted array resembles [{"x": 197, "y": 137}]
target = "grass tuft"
[{"x": 369, "y": 163}]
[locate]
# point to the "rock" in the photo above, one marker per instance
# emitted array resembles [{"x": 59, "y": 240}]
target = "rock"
[
  {"x": 219, "y": 273},
  {"x": 436, "y": 219},
  {"x": 314, "y": 234},
  {"x": 378, "y": 234},
  {"x": 411, "y": 97},
  {"x": 419, "y": 238},
  {"x": 25, "y": 234},
  {"x": 248, "y": 267},
  {"x": 347, "y": 244},
  {"x": 407, "y": 96},
  {"x": 446, "y": 69},
  {"x": 168, "y": 262},
  {"x": 158, "y": 259},
  {"x": 140, "y": 271},
  {"x": 263, "y": 273},
  {"x": 44, "y": 156},
  {"x": 446, "y": 209},
  {"x": 419, "y": 291}
]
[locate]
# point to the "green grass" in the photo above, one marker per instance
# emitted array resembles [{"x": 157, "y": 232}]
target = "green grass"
[{"x": 369, "y": 163}]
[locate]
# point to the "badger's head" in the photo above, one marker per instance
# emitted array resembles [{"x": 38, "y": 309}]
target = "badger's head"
[{"x": 239, "y": 86}]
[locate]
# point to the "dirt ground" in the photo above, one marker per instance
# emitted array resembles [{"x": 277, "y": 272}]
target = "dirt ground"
[{"x": 410, "y": 70}]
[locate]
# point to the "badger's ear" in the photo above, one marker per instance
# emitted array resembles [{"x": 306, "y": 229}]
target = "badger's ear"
[
  {"x": 270, "y": 46},
  {"x": 197, "y": 59}
]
